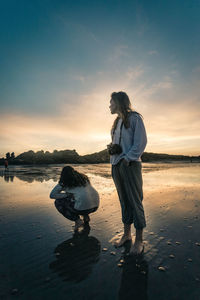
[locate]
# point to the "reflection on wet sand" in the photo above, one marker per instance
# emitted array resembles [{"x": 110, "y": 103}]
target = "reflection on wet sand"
[
  {"x": 134, "y": 279},
  {"x": 31, "y": 174},
  {"x": 76, "y": 256},
  {"x": 43, "y": 173},
  {"x": 8, "y": 178}
]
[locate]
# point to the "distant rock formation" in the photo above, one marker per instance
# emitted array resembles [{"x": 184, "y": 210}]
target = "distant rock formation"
[
  {"x": 97, "y": 157},
  {"x": 71, "y": 156}
]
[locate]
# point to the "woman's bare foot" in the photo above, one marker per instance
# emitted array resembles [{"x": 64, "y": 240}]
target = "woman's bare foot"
[
  {"x": 86, "y": 219},
  {"x": 137, "y": 248},
  {"x": 78, "y": 224},
  {"x": 123, "y": 240}
]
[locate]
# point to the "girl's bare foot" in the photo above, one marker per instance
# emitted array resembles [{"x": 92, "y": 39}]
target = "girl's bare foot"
[
  {"x": 137, "y": 248},
  {"x": 78, "y": 224},
  {"x": 123, "y": 240}
]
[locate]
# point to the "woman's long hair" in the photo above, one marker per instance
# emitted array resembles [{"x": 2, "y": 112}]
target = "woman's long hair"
[
  {"x": 71, "y": 178},
  {"x": 123, "y": 103}
]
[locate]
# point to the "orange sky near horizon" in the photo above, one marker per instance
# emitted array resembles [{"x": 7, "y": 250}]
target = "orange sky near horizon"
[{"x": 86, "y": 127}]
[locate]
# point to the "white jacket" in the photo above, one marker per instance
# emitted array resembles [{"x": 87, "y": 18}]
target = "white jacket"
[
  {"x": 86, "y": 197},
  {"x": 133, "y": 140}
]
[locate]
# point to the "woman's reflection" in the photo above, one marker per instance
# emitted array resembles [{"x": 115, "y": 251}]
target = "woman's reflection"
[
  {"x": 134, "y": 279},
  {"x": 76, "y": 256}
]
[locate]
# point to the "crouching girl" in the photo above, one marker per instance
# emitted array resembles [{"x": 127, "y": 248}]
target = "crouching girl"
[{"x": 75, "y": 196}]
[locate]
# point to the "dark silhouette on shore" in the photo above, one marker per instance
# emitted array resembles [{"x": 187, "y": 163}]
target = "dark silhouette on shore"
[{"x": 71, "y": 156}]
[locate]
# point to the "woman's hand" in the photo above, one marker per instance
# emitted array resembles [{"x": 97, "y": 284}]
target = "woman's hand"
[{"x": 126, "y": 162}]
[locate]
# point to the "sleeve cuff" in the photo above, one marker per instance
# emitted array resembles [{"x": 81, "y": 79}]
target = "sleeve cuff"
[{"x": 126, "y": 158}]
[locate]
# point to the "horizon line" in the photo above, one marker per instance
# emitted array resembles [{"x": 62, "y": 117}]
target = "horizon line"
[{"x": 35, "y": 151}]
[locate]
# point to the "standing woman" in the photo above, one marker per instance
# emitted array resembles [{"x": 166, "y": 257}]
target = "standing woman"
[{"x": 128, "y": 143}]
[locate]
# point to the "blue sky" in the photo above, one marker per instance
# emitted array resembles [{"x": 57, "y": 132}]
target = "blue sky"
[{"x": 61, "y": 60}]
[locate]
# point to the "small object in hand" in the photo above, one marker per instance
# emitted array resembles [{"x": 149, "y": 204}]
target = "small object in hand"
[{"x": 114, "y": 149}]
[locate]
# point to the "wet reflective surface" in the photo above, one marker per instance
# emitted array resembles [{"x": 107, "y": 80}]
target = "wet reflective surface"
[{"x": 43, "y": 258}]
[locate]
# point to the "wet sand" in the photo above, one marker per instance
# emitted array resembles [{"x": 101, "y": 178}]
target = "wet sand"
[{"x": 42, "y": 258}]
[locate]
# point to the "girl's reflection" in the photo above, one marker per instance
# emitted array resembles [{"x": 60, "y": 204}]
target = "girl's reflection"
[{"x": 76, "y": 256}]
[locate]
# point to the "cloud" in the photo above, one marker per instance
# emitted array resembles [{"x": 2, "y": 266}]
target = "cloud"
[
  {"x": 153, "y": 52},
  {"x": 196, "y": 70},
  {"x": 79, "y": 78},
  {"x": 78, "y": 28},
  {"x": 134, "y": 73},
  {"x": 163, "y": 143},
  {"x": 165, "y": 84},
  {"x": 118, "y": 52}
]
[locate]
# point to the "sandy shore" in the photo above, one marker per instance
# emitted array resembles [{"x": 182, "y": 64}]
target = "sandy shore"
[{"x": 42, "y": 258}]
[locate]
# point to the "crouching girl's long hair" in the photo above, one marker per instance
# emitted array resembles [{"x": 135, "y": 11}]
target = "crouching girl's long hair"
[{"x": 72, "y": 178}]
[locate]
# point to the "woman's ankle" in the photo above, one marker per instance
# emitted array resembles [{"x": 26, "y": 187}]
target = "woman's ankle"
[
  {"x": 138, "y": 241},
  {"x": 126, "y": 236},
  {"x": 127, "y": 231}
]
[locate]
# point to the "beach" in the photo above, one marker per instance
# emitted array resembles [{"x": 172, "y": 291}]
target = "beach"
[{"x": 42, "y": 258}]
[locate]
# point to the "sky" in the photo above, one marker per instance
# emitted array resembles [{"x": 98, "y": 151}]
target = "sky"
[{"x": 61, "y": 60}]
